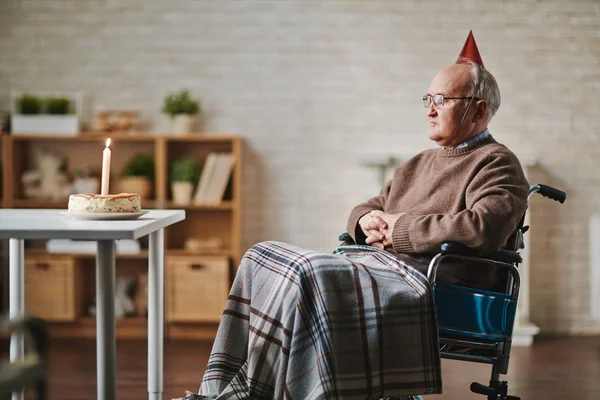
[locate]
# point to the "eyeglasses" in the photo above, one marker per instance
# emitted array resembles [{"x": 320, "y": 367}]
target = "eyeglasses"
[{"x": 438, "y": 99}]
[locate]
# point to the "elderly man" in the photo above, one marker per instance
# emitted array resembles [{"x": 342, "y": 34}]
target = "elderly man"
[
  {"x": 360, "y": 323},
  {"x": 471, "y": 191}
]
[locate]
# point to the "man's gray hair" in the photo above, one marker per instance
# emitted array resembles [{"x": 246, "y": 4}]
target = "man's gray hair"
[{"x": 483, "y": 86}]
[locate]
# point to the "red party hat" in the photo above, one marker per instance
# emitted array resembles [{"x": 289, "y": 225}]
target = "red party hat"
[{"x": 470, "y": 51}]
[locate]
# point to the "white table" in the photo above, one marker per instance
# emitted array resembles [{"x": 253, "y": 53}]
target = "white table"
[{"x": 18, "y": 225}]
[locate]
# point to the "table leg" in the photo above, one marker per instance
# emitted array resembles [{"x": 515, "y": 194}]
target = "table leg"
[
  {"x": 16, "y": 307},
  {"x": 105, "y": 320},
  {"x": 156, "y": 308}
]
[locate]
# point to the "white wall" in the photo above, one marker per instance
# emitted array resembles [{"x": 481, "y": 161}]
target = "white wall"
[{"x": 317, "y": 86}]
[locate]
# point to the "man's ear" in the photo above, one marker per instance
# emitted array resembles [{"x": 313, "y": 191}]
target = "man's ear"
[{"x": 481, "y": 108}]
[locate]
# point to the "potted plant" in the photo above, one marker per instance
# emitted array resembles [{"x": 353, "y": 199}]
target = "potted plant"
[
  {"x": 182, "y": 108},
  {"x": 184, "y": 174},
  {"x": 29, "y": 104},
  {"x": 45, "y": 114},
  {"x": 137, "y": 176},
  {"x": 58, "y": 106},
  {"x": 84, "y": 182}
]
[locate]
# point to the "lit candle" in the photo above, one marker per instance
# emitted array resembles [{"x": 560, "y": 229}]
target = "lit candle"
[{"x": 105, "y": 168}]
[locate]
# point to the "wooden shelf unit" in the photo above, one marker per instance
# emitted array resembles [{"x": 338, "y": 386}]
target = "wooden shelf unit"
[
  {"x": 201, "y": 269},
  {"x": 142, "y": 255}
]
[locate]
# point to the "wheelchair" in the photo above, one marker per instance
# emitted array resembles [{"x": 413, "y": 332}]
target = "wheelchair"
[
  {"x": 482, "y": 331},
  {"x": 30, "y": 372}
]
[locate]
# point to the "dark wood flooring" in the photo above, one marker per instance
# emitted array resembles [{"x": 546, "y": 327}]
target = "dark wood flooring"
[{"x": 553, "y": 369}]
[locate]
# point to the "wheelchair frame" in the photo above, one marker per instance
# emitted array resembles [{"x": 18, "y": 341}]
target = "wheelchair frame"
[
  {"x": 30, "y": 371},
  {"x": 464, "y": 347},
  {"x": 496, "y": 343},
  {"x": 468, "y": 345}
]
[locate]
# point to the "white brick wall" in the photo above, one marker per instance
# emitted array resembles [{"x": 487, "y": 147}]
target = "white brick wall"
[{"x": 317, "y": 86}]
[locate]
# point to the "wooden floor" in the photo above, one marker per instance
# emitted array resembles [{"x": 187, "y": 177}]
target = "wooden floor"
[{"x": 553, "y": 369}]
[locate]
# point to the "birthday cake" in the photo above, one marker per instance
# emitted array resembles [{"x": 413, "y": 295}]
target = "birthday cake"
[{"x": 108, "y": 203}]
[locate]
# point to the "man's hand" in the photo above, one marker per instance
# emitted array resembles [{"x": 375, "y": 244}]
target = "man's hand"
[
  {"x": 373, "y": 227},
  {"x": 385, "y": 223}
]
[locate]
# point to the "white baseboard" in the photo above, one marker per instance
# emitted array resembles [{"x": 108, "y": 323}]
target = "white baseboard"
[{"x": 523, "y": 335}]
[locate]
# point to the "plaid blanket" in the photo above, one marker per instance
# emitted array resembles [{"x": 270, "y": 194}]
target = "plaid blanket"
[{"x": 298, "y": 324}]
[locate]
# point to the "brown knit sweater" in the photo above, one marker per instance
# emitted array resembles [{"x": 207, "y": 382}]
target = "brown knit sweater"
[{"x": 474, "y": 195}]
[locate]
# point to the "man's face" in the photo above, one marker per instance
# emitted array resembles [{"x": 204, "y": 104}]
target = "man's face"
[{"x": 445, "y": 126}]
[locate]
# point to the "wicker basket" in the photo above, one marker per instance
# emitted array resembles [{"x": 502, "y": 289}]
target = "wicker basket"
[
  {"x": 53, "y": 289},
  {"x": 197, "y": 288}
]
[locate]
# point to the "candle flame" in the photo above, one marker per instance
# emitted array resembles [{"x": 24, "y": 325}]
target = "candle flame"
[{"x": 108, "y": 142}]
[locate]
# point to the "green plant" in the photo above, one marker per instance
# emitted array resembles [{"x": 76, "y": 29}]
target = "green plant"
[
  {"x": 185, "y": 169},
  {"x": 140, "y": 165},
  {"x": 181, "y": 103},
  {"x": 29, "y": 104},
  {"x": 82, "y": 172},
  {"x": 58, "y": 105}
]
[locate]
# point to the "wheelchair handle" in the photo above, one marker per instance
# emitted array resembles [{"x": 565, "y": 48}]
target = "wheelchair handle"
[
  {"x": 548, "y": 191},
  {"x": 482, "y": 389}
]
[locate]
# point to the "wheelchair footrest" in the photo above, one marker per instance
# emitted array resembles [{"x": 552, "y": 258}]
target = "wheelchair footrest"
[
  {"x": 482, "y": 389},
  {"x": 496, "y": 391}
]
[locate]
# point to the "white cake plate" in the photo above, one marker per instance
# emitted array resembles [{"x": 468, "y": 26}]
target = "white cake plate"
[{"x": 104, "y": 216}]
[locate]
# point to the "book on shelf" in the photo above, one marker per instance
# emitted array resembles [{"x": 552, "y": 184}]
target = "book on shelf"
[
  {"x": 214, "y": 178},
  {"x": 218, "y": 185},
  {"x": 206, "y": 175}
]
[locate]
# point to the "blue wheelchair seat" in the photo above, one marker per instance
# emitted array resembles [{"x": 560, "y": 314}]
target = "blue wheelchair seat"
[{"x": 483, "y": 314}]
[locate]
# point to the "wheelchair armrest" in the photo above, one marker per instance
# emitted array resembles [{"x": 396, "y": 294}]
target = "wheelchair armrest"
[
  {"x": 459, "y": 249},
  {"x": 506, "y": 256},
  {"x": 346, "y": 239}
]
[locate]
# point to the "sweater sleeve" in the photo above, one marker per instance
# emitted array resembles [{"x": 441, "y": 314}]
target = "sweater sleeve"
[
  {"x": 496, "y": 199},
  {"x": 375, "y": 203}
]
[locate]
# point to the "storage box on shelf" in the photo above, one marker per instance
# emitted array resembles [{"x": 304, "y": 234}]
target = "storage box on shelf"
[
  {"x": 53, "y": 287},
  {"x": 193, "y": 281},
  {"x": 196, "y": 282}
]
